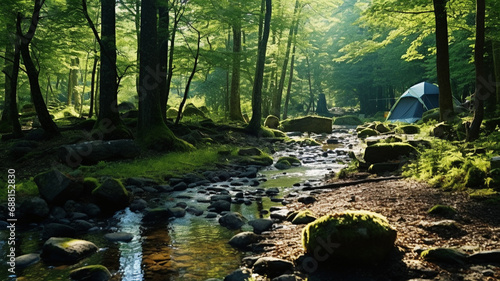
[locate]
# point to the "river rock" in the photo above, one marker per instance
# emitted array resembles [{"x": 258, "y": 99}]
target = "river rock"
[
  {"x": 350, "y": 237},
  {"x": 302, "y": 217},
  {"x": 90, "y": 272},
  {"x": 280, "y": 214},
  {"x": 313, "y": 124},
  {"x": 138, "y": 205},
  {"x": 287, "y": 277},
  {"x": 92, "y": 210},
  {"x": 111, "y": 195},
  {"x": 239, "y": 275},
  {"x": 445, "y": 255},
  {"x": 180, "y": 186},
  {"x": 27, "y": 260},
  {"x": 156, "y": 215},
  {"x": 224, "y": 197},
  {"x": 34, "y": 209},
  {"x": 272, "y": 267},
  {"x": 220, "y": 206},
  {"x": 232, "y": 220},
  {"x": 261, "y": 225},
  {"x": 177, "y": 212},
  {"x": 58, "y": 230},
  {"x": 119, "y": 236},
  {"x": 194, "y": 211},
  {"x": 62, "y": 250},
  {"x": 306, "y": 199},
  {"x": 57, "y": 213},
  {"x": 56, "y": 188},
  {"x": 81, "y": 225},
  {"x": 243, "y": 239}
]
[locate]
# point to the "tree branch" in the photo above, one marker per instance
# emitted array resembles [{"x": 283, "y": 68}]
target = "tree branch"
[{"x": 408, "y": 12}]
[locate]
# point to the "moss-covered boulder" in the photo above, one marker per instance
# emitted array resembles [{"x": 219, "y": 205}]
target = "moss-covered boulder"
[
  {"x": 408, "y": 129},
  {"x": 57, "y": 188},
  {"x": 445, "y": 255},
  {"x": 253, "y": 156},
  {"x": 61, "y": 250},
  {"x": 442, "y": 210},
  {"x": 385, "y": 152},
  {"x": 350, "y": 237},
  {"x": 89, "y": 184},
  {"x": 190, "y": 110},
  {"x": 475, "y": 177},
  {"x": 382, "y": 128},
  {"x": 287, "y": 162},
  {"x": 172, "y": 113},
  {"x": 348, "y": 120},
  {"x": 367, "y": 132},
  {"x": 90, "y": 273},
  {"x": 312, "y": 124},
  {"x": 272, "y": 122},
  {"x": 111, "y": 195},
  {"x": 302, "y": 217}
]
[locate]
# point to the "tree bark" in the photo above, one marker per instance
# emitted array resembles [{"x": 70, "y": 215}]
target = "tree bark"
[
  {"x": 482, "y": 92},
  {"x": 311, "y": 95},
  {"x": 442, "y": 61},
  {"x": 109, "y": 124},
  {"x": 496, "y": 66},
  {"x": 163, "y": 34},
  {"x": 255, "y": 122},
  {"x": 292, "y": 65},
  {"x": 93, "y": 85},
  {"x": 46, "y": 121},
  {"x": 234, "y": 98}
]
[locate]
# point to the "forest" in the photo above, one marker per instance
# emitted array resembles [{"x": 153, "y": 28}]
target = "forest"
[{"x": 200, "y": 139}]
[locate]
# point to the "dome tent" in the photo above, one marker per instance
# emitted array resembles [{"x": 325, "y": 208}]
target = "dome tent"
[{"x": 414, "y": 102}]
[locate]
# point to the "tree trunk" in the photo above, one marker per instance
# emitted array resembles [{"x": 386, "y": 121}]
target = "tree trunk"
[
  {"x": 188, "y": 84},
  {"x": 255, "y": 122},
  {"x": 496, "y": 66},
  {"x": 46, "y": 121},
  {"x": 311, "y": 95},
  {"x": 482, "y": 91},
  {"x": 292, "y": 65},
  {"x": 442, "y": 61},
  {"x": 234, "y": 98},
  {"x": 276, "y": 105},
  {"x": 163, "y": 35},
  {"x": 73, "y": 94},
  {"x": 170, "y": 72},
  {"x": 93, "y": 86},
  {"x": 152, "y": 132},
  {"x": 109, "y": 124}
]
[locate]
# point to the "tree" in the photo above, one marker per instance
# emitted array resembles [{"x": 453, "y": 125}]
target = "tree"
[
  {"x": 443, "y": 61},
  {"x": 255, "y": 122},
  {"x": 234, "y": 97},
  {"x": 46, "y": 121},
  {"x": 152, "y": 132},
  {"x": 482, "y": 91}
]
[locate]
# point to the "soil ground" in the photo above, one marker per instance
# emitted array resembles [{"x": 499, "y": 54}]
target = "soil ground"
[{"x": 405, "y": 204}]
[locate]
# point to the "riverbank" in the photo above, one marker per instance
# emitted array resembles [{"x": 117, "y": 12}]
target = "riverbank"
[{"x": 405, "y": 203}]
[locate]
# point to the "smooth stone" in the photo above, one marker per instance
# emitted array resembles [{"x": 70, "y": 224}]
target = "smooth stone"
[
  {"x": 194, "y": 211},
  {"x": 180, "y": 186},
  {"x": 243, "y": 239},
  {"x": 272, "y": 267},
  {"x": 220, "y": 206},
  {"x": 138, "y": 205},
  {"x": 239, "y": 275},
  {"x": 90, "y": 273},
  {"x": 81, "y": 225},
  {"x": 119, "y": 236},
  {"x": 261, "y": 225},
  {"x": 177, "y": 212},
  {"x": 66, "y": 250},
  {"x": 58, "y": 230},
  {"x": 232, "y": 220},
  {"x": 306, "y": 199},
  {"x": 211, "y": 215},
  {"x": 27, "y": 260}
]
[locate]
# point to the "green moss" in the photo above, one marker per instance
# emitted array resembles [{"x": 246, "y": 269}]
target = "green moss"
[
  {"x": 408, "y": 129},
  {"x": 475, "y": 177},
  {"x": 349, "y": 120},
  {"x": 291, "y": 160},
  {"x": 367, "y": 132},
  {"x": 446, "y": 255},
  {"x": 302, "y": 217},
  {"x": 161, "y": 138},
  {"x": 442, "y": 210},
  {"x": 89, "y": 184},
  {"x": 486, "y": 194},
  {"x": 358, "y": 236}
]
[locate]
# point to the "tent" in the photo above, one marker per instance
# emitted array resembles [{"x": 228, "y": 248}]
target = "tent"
[{"x": 414, "y": 102}]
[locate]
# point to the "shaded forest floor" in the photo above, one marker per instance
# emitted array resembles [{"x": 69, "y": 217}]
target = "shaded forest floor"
[{"x": 405, "y": 204}]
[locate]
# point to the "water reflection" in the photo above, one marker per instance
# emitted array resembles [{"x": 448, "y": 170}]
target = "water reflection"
[{"x": 131, "y": 252}]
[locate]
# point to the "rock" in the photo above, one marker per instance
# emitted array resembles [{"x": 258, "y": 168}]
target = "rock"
[
  {"x": 156, "y": 215},
  {"x": 490, "y": 257},
  {"x": 349, "y": 120},
  {"x": 243, "y": 239},
  {"x": 241, "y": 274},
  {"x": 172, "y": 113},
  {"x": 138, "y": 205},
  {"x": 27, "y": 260},
  {"x": 89, "y": 184},
  {"x": 111, "y": 195},
  {"x": 442, "y": 210},
  {"x": 211, "y": 215},
  {"x": 302, "y": 217},
  {"x": 119, "y": 236},
  {"x": 272, "y": 267},
  {"x": 284, "y": 163},
  {"x": 81, "y": 225},
  {"x": 313, "y": 124},
  {"x": 220, "y": 206},
  {"x": 280, "y": 214},
  {"x": 272, "y": 122},
  {"x": 57, "y": 188},
  {"x": 190, "y": 110},
  {"x": 382, "y": 128},
  {"x": 223, "y": 197},
  {"x": 232, "y": 220},
  {"x": 91, "y": 152},
  {"x": 180, "y": 186},
  {"x": 194, "y": 211},
  {"x": 58, "y": 230},
  {"x": 57, "y": 213},
  {"x": 177, "y": 212},
  {"x": 66, "y": 250},
  {"x": 254, "y": 156},
  {"x": 250, "y": 173},
  {"x": 251, "y": 151},
  {"x": 261, "y": 225},
  {"x": 90, "y": 273},
  {"x": 445, "y": 255},
  {"x": 367, "y": 132},
  {"x": 444, "y": 228},
  {"x": 408, "y": 129},
  {"x": 92, "y": 210},
  {"x": 140, "y": 182},
  {"x": 475, "y": 177},
  {"x": 306, "y": 199},
  {"x": 350, "y": 237},
  {"x": 287, "y": 277},
  {"x": 34, "y": 209},
  {"x": 383, "y": 152}
]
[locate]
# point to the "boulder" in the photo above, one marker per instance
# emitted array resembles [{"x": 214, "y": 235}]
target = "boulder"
[
  {"x": 287, "y": 162},
  {"x": 220, "y": 206},
  {"x": 177, "y": 212},
  {"x": 119, "y": 236},
  {"x": 350, "y": 237},
  {"x": 244, "y": 239},
  {"x": 302, "y": 217},
  {"x": 27, "y": 260},
  {"x": 34, "y": 209},
  {"x": 111, "y": 195},
  {"x": 349, "y": 120},
  {"x": 272, "y": 122},
  {"x": 272, "y": 267},
  {"x": 56, "y": 187},
  {"x": 261, "y": 225},
  {"x": 442, "y": 210},
  {"x": 138, "y": 205},
  {"x": 156, "y": 215},
  {"x": 408, "y": 129},
  {"x": 172, "y": 113},
  {"x": 367, "y": 132},
  {"x": 190, "y": 110},
  {"x": 384, "y": 152},
  {"x": 232, "y": 220},
  {"x": 445, "y": 255},
  {"x": 254, "y": 156},
  {"x": 239, "y": 275},
  {"x": 62, "y": 250},
  {"x": 90, "y": 273},
  {"x": 58, "y": 230},
  {"x": 313, "y": 124}
]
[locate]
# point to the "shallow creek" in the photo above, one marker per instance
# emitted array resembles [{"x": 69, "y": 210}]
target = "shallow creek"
[{"x": 192, "y": 247}]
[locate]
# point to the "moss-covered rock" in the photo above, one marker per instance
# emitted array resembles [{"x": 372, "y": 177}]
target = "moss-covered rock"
[
  {"x": 272, "y": 122},
  {"x": 384, "y": 152},
  {"x": 382, "y": 128},
  {"x": 408, "y": 129},
  {"x": 90, "y": 273},
  {"x": 56, "y": 187},
  {"x": 61, "y": 250},
  {"x": 475, "y": 177},
  {"x": 287, "y": 162},
  {"x": 367, "y": 132},
  {"x": 313, "y": 124},
  {"x": 111, "y": 195},
  {"x": 161, "y": 138},
  {"x": 348, "y": 120},
  {"x": 445, "y": 255},
  {"x": 442, "y": 210},
  {"x": 89, "y": 184},
  {"x": 350, "y": 237},
  {"x": 172, "y": 113},
  {"x": 302, "y": 217},
  {"x": 253, "y": 156},
  {"x": 190, "y": 110}
]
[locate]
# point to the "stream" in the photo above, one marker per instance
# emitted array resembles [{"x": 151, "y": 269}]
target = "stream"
[{"x": 191, "y": 247}]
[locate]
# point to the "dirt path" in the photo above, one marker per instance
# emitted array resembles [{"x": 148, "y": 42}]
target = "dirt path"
[{"x": 405, "y": 204}]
